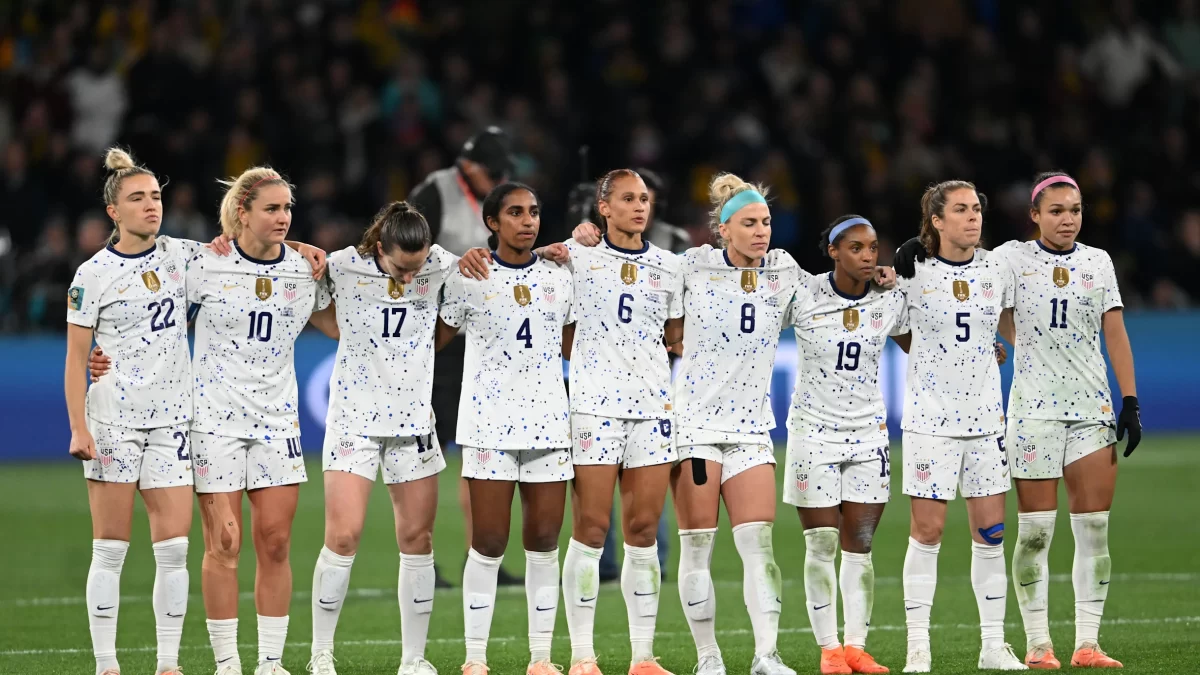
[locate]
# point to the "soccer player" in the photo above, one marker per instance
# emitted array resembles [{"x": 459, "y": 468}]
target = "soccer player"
[
  {"x": 385, "y": 296},
  {"x": 1060, "y": 413},
  {"x": 131, "y": 429},
  {"x": 513, "y": 422},
  {"x": 839, "y": 468},
  {"x": 953, "y": 420},
  {"x": 245, "y": 432}
]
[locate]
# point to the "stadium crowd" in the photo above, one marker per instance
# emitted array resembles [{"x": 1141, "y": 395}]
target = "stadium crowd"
[{"x": 847, "y": 106}]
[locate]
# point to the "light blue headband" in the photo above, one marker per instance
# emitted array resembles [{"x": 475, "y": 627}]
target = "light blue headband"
[
  {"x": 845, "y": 225},
  {"x": 743, "y": 198}
]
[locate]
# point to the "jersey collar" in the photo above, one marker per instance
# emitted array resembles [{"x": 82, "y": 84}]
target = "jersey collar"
[
  {"x": 532, "y": 259},
  {"x": 725, "y": 254},
  {"x": 130, "y": 256},
  {"x": 629, "y": 251},
  {"x": 847, "y": 295},
  {"x": 951, "y": 263},
  {"x": 1051, "y": 251},
  {"x": 258, "y": 261}
]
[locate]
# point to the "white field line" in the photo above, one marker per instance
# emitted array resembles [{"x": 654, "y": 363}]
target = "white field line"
[
  {"x": 1158, "y": 577},
  {"x": 1146, "y": 621}
]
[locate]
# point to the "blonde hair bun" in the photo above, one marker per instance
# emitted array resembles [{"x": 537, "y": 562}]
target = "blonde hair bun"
[{"x": 117, "y": 159}]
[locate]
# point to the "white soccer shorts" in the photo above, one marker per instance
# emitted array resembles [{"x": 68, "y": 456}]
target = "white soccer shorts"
[
  {"x": 822, "y": 474},
  {"x": 551, "y": 465},
  {"x": 937, "y": 467},
  {"x": 628, "y": 443},
  {"x": 1041, "y": 448},
  {"x": 403, "y": 459},
  {"x": 152, "y": 458},
  {"x": 224, "y": 464},
  {"x": 734, "y": 458}
]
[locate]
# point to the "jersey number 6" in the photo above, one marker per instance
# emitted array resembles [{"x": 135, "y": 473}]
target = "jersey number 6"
[{"x": 624, "y": 311}]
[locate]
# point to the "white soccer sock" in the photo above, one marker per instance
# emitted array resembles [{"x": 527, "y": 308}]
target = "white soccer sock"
[
  {"x": 104, "y": 599},
  {"x": 696, "y": 593},
  {"x": 331, "y": 580},
  {"x": 272, "y": 635},
  {"x": 415, "y": 593},
  {"x": 641, "y": 580},
  {"x": 1090, "y": 573},
  {"x": 222, "y": 633},
  {"x": 920, "y": 582},
  {"x": 541, "y": 599},
  {"x": 479, "y": 602},
  {"x": 857, "y": 579},
  {"x": 1031, "y": 574},
  {"x": 762, "y": 584},
  {"x": 820, "y": 582},
  {"x": 991, "y": 585},
  {"x": 581, "y": 587},
  {"x": 170, "y": 598}
]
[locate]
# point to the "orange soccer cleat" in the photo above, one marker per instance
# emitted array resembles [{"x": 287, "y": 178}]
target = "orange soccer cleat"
[
  {"x": 543, "y": 668},
  {"x": 585, "y": 667},
  {"x": 862, "y": 662},
  {"x": 833, "y": 662},
  {"x": 475, "y": 668},
  {"x": 648, "y": 667},
  {"x": 1042, "y": 657},
  {"x": 1091, "y": 656}
]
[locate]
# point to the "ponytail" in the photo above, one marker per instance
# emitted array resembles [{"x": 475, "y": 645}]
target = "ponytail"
[
  {"x": 120, "y": 165},
  {"x": 396, "y": 225}
]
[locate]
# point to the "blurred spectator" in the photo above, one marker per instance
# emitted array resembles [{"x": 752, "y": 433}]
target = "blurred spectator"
[
  {"x": 181, "y": 219},
  {"x": 98, "y": 101},
  {"x": 1121, "y": 59}
]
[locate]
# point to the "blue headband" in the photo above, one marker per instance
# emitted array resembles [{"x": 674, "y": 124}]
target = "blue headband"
[
  {"x": 845, "y": 225},
  {"x": 735, "y": 203}
]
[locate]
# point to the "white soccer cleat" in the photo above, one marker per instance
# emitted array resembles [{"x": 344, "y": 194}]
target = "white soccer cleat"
[
  {"x": 229, "y": 669},
  {"x": 919, "y": 661},
  {"x": 418, "y": 667},
  {"x": 710, "y": 665},
  {"x": 270, "y": 668},
  {"x": 322, "y": 663},
  {"x": 1000, "y": 658},
  {"x": 769, "y": 664}
]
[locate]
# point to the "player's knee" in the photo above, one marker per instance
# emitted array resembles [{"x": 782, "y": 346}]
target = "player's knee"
[
  {"x": 858, "y": 539},
  {"x": 641, "y": 529},
  {"x": 591, "y": 528},
  {"x": 544, "y": 537},
  {"x": 272, "y": 544},
  {"x": 993, "y": 535},
  {"x": 490, "y": 544},
  {"x": 927, "y": 533},
  {"x": 418, "y": 540},
  {"x": 225, "y": 546},
  {"x": 343, "y": 543}
]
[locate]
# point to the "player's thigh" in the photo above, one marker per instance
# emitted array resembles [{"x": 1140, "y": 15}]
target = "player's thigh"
[
  {"x": 111, "y": 506},
  {"x": 986, "y": 518},
  {"x": 543, "y": 505},
  {"x": 414, "y": 504},
  {"x": 221, "y": 521},
  {"x": 1092, "y": 480},
  {"x": 274, "y": 463},
  {"x": 858, "y": 525},
  {"x": 813, "y": 474},
  {"x": 347, "y": 496},
  {"x": 927, "y": 519},
  {"x": 272, "y": 511},
  {"x": 491, "y": 514},
  {"x": 697, "y": 506},
  {"x": 750, "y": 495},
  {"x": 643, "y": 496},
  {"x": 169, "y": 510}
]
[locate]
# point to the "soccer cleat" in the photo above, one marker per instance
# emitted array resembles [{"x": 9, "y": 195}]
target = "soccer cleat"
[
  {"x": 543, "y": 668},
  {"x": 270, "y": 668},
  {"x": 1091, "y": 656},
  {"x": 710, "y": 665},
  {"x": 919, "y": 661},
  {"x": 1041, "y": 657},
  {"x": 171, "y": 671},
  {"x": 229, "y": 669},
  {"x": 584, "y": 667},
  {"x": 769, "y": 664},
  {"x": 322, "y": 663},
  {"x": 418, "y": 667},
  {"x": 1000, "y": 658},
  {"x": 475, "y": 668},
  {"x": 111, "y": 671},
  {"x": 833, "y": 662},
  {"x": 648, "y": 667},
  {"x": 862, "y": 662}
]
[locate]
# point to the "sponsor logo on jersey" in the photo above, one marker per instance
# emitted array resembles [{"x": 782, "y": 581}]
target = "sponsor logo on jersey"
[
  {"x": 585, "y": 440},
  {"x": 988, "y": 289},
  {"x": 173, "y": 272},
  {"x": 121, "y": 291},
  {"x": 655, "y": 279},
  {"x": 345, "y": 447},
  {"x": 1088, "y": 280},
  {"x": 422, "y": 286},
  {"x": 802, "y": 482},
  {"x": 151, "y": 281},
  {"x": 547, "y": 293},
  {"x": 482, "y": 456},
  {"x": 289, "y": 290},
  {"x": 877, "y": 319},
  {"x": 395, "y": 288},
  {"x": 749, "y": 281},
  {"x": 1061, "y": 277},
  {"x": 961, "y": 289},
  {"x": 200, "y": 464},
  {"x": 629, "y": 273},
  {"x": 773, "y": 282},
  {"x": 850, "y": 318},
  {"x": 75, "y": 298},
  {"x": 922, "y": 470},
  {"x": 262, "y": 288},
  {"x": 106, "y": 457},
  {"x": 1029, "y": 453},
  {"x": 521, "y": 295}
]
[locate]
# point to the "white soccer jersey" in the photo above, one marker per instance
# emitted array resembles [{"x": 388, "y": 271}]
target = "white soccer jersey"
[
  {"x": 623, "y": 298},
  {"x": 1061, "y": 298},
  {"x": 953, "y": 382},
  {"x": 841, "y": 340},
  {"x": 250, "y": 313},
  {"x": 732, "y": 321},
  {"x": 513, "y": 396},
  {"x": 382, "y": 379},
  {"x": 137, "y": 306}
]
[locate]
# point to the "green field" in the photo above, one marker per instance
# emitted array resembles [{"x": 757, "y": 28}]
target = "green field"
[{"x": 1151, "y": 618}]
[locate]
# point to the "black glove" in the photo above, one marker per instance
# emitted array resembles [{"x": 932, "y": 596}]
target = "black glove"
[
  {"x": 908, "y": 255},
  {"x": 1131, "y": 419}
]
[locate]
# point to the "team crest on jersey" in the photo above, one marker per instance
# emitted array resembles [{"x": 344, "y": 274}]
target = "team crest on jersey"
[
  {"x": 521, "y": 295},
  {"x": 1061, "y": 277},
  {"x": 961, "y": 289},
  {"x": 988, "y": 289},
  {"x": 877, "y": 319},
  {"x": 173, "y": 272},
  {"x": 773, "y": 282},
  {"x": 749, "y": 281},
  {"x": 345, "y": 447},
  {"x": 1088, "y": 280},
  {"x": 802, "y": 482},
  {"x": 262, "y": 288},
  {"x": 422, "y": 285},
  {"x": 200, "y": 464},
  {"x": 629, "y": 273},
  {"x": 548, "y": 293},
  {"x": 850, "y": 318},
  {"x": 289, "y": 290},
  {"x": 482, "y": 456},
  {"x": 922, "y": 470},
  {"x": 151, "y": 281},
  {"x": 1029, "y": 453},
  {"x": 106, "y": 457},
  {"x": 655, "y": 279},
  {"x": 585, "y": 439},
  {"x": 395, "y": 288}
]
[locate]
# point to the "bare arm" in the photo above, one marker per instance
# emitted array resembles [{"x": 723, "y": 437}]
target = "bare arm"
[
  {"x": 79, "y": 343},
  {"x": 1120, "y": 353},
  {"x": 673, "y": 335},
  {"x": 568, "y": 340},
  {"x": 1008, "y": 329},
  {"x": 905, "y": 341},
  {"x": 445, "y": 333},
  {"x": 325, "y": 320}
]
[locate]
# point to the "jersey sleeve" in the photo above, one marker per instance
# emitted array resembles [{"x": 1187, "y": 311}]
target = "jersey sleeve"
[
  {"x": 1010, "y": 282},
  {"x": 900, "y": 308},
  {"x": 83, "y": 298},
  {"x": 323, "y": 296},
  {"x": 569, "y": 293},
  {"x": 675, "y": 308},
  {"x": 186, "y": 248},
  {"x": 455, "y": 303},
  {"x": 800, "y": 300},
  {"x": 195, "y": 278},
  {"x": 1112, "y": 293}
]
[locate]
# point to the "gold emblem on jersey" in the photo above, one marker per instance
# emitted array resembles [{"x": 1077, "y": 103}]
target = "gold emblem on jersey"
[
  {"x": 262, "y": 288},
  {"x": 629, "y": 273},
  {"x": 850, "y": 318},
  {"x": 962, "y": 290},
  {"x": 749, "y": 281},
  {"x": 151, "y": 281},
  {"x": 521, "y": 295},
  {"x": 395, "y": 288},
  {"x": 1062, "y": 276}
]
